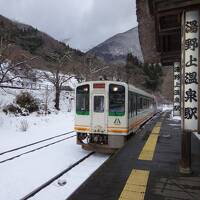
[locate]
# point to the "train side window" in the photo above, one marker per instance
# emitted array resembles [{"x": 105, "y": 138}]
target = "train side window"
[
  {"x": 129, "y": 105},
  {"x": 144, "y": 103},
  {"x": 151, "y": 103},
  {"x": 139, "y": 103},
  {"x": 99, "y": 104},
  {"x": 135, "y": 104},
  {"x": 132, "y": 104}
]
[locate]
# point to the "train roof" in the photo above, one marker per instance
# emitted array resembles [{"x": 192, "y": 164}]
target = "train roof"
[
  {"x": 129, "y": 86},
  {"x": 139, "y": 91}
]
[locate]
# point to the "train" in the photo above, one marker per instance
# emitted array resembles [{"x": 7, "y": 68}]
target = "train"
[{"x": 108, "y": 112}]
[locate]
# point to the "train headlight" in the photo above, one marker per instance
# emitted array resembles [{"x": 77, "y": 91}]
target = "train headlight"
[
  {"x": 115, "y": 89},
  {"x": 85, "y": 89}
]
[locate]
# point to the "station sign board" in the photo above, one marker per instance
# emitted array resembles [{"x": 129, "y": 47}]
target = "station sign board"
[
  {"x": 191, "y": 71},
  {"x": 177, "y": 89}
]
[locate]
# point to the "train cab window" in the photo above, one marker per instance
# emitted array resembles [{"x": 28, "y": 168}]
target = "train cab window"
[
  {"x": 116, "y": 100},
  {"x": 82, "y": 100},
  {"x": 99, "y": 104}
]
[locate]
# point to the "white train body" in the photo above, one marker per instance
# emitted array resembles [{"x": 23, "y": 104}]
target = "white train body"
[{"x": 107, "y": 112}]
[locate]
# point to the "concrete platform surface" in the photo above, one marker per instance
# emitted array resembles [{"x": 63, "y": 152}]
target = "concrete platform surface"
[{"x": 147, "y": 167}]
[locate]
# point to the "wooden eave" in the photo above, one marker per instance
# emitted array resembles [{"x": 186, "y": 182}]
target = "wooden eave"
[
  {"x": 169, "y": 52},
  {"x": 166, "y": 5}
]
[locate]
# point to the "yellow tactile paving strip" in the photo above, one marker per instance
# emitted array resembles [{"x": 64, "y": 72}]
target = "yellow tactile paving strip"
[
  {"x": 135, "y": 186},
  {"x": 148, "y": 150}
]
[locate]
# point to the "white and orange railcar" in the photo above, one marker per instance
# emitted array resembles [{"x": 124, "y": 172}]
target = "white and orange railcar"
[{"x": 107, "y": 112}]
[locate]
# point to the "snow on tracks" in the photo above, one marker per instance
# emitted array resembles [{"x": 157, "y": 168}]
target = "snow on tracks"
[{"x": 11, "y": 154}]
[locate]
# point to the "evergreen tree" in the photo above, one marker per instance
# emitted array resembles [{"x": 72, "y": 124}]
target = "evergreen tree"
[{"x": 153, "y": 73}]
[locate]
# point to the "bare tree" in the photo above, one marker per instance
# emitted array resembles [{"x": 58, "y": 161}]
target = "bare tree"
[
  {"x": 89, "y": 68},
  {"x": 57, "y": 77},
  {"x": 11, "y": 69}
]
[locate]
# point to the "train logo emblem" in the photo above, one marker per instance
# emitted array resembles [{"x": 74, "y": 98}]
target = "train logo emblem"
[{"x": 117, "y": 122}]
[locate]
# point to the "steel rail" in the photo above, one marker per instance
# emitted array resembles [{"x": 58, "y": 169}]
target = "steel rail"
[
  {"x": 44, "y": 185},
  {"x": 34, "y": 143},
  {"x": 36, "y": 149}
]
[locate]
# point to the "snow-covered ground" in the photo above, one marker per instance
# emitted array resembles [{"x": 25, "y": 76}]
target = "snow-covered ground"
[
  {"x": 74, "y": 179},
  {"x": 178, "y": 118},
  {"x": 20, "y": 176},
  {"x": 165, "y": 107},
  {"x": 39, "y": 127}
]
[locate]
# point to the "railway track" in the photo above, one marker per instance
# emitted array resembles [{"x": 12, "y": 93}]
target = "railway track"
[
  {"x": 31, "y": 144},
  {"x": 56, "y": 177},
  {"x": 47, "y": 183},
  {"x": 38, "y": 148},
  {"x": 34, "y": 149}
]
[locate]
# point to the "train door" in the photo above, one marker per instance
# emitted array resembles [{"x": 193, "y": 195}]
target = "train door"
[{"x": 99, "y": 117}]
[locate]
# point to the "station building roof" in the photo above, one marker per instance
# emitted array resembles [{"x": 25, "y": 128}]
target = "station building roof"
[{"x": 160, "y": 28}]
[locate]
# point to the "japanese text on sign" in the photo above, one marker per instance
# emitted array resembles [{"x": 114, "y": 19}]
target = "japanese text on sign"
[
  {"x": 191, "y": 53},
  {"x": 177, "y": 93}
]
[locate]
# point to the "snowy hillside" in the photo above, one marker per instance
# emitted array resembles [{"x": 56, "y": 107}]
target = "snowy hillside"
[{"x": 116, "y": 48}]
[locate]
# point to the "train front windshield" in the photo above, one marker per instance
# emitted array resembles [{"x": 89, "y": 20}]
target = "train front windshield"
[
  {"x": 116, "y": 100},
  {"x": 82, "y": 100}
]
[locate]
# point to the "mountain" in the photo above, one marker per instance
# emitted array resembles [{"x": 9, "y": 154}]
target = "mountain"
[
  {"x": 117, "y": 47},
  {"x": 27, "y": 40}
]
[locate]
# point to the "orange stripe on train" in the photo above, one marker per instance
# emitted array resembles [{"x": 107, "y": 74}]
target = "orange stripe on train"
[
  {"x": 81, "y": 129},
  {"x": 118, "y": 131}
]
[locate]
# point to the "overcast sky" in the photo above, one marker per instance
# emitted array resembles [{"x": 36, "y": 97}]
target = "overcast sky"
[{"x": 85, "y": 22}]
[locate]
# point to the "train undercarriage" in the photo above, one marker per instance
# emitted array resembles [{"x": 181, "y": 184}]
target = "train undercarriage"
[{"x": 102, "y": 143}]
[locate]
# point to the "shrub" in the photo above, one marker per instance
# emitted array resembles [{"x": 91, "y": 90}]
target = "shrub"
[
  {"x": 26, "y": 101},
  {"x": 23, "y": 125},
  {"x": 5, "y": 111},
  {"x": 12, "y": 109}
]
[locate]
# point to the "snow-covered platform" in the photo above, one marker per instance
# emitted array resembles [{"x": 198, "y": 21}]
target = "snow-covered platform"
[{"x": 147, "y": 167}]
